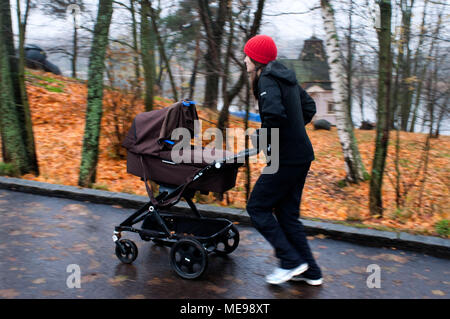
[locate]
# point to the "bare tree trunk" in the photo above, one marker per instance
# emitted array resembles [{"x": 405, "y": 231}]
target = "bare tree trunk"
[
  {"x": 89, "y": 156},
  {"x": 137, "y": 70},
  {"x": 194, "y": 69},
  {"x": 405, "y": 105},
  {"x": 383, "y": 108},
  {"x": 353, "y": 163},
  {"x": 147, "y": 54},
  {"x": 214, "y": 33},
  {"x": 349, "y": 65},
  {"x": 360, "y": 88},
  {"x": 443, "y": 111},
  {"x": 425, "y": 168},
  {"x": 247, "y": 163},
  {"x": 23, "y": 107},
  {"x": 422, "y": 74},
  {"x": 74, "y": 47},
  {"x": 13, "y": 146},
  {"x": 396, "y": 85},
  {"x": 223, "y": 116},
  {"x": 403, "y": 68},
  {"x": 162, "y": 50},
  {"x": 230, "y": 95},
  {"x": 398, "y": 195},
  {"x": 431, "y": 90}
]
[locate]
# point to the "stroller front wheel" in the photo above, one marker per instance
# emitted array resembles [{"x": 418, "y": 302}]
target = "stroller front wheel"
[
  {"x": 228, "y": 242},
  {"x": 188, "y": 258},
  {"x": 127, "y": 252}
]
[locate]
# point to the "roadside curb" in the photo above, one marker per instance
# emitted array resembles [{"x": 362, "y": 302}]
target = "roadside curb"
[{"x": 430, "y": 245}]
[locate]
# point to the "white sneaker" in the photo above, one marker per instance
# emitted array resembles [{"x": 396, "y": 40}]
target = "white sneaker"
[
  {"x": 281, "y": 275},
  {"x": 312, "y": 282}
]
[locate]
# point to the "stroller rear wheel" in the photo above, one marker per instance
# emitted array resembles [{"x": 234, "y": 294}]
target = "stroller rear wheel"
[
  {"x": 127, "y": 252},
  {"x": 188, "y": 258},
  {"x": 228, "y": 242}
]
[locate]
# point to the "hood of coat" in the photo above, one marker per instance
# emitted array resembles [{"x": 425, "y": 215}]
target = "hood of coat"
[{"x": 279, "y": 71}]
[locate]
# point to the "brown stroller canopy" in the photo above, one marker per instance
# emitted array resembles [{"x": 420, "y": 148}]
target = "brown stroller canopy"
[
  {"x": 149, "y": 150},
  {"x": 150, "y": 129}
]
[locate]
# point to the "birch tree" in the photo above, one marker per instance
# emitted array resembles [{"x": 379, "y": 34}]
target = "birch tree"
[{"x": 354, "y": 166}]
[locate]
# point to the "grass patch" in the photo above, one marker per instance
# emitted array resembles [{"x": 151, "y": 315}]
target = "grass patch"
[
  {"x": 342, "y": 183},
  {"x": 51, "y": 88},
  {"x": 43, "y": 78},
  {"x": 9, "y": 169},
  {"x": 54, "y": 89},
  {"x": 101, "y": 187},
  {"x": 49, "y": 83},
  {"x": 442, "y": 227}
]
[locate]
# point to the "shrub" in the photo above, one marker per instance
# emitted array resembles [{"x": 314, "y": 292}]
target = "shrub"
[
  {"x": 342, "y": 183},
  {"x": 443, "y": 227},
  {"x": 9, "y": 169}
]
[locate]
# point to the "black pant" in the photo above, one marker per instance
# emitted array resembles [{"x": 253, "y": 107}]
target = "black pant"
[{"x": 280, "y": 194}]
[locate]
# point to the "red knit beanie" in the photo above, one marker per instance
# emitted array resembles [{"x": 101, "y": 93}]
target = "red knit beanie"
[{"x": 261, "y": 48}]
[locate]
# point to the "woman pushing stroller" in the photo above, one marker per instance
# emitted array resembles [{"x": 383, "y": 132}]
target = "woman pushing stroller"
[{"x": 274, "y": 203}]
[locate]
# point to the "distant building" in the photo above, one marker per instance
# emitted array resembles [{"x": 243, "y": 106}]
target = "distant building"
[{"x": 312, "y": 72}]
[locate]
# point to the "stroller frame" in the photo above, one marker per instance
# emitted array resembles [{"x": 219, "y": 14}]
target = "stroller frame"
[{"x": 189, "y": 252}]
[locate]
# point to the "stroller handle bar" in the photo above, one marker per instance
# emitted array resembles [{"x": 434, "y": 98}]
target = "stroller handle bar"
[
  {"x": 243, "y": 154},
  {"x": 227, "y": 160}
]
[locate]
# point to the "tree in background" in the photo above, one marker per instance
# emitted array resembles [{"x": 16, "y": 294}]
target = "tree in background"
[
  {"x": 147, "y": 38},
  {"x": 401, "y": 97},
  {"x": 353, "y": 163},
  {"x": 249, "y": 27},
  {"x": 60, "y": 9},
  {"x": 23, "y": 107},
  {"x": 162, "y": 51},
  {"x": 183, "y": 37},
  {"x": 213, "y": 24},
  {"x": 15, "y": 124},
  {"x": 383, "y": 107},
  {"x": 89, "y": 156},
  {"x": 122, "y": 102}
]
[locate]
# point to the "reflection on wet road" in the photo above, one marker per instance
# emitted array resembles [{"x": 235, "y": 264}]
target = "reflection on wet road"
[{"x": 40, "y": 236}]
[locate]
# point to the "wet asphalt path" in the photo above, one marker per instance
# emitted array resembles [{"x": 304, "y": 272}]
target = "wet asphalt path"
[{"x": 40, "y": 236}]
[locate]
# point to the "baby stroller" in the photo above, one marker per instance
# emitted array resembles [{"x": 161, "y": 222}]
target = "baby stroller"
[{"x": 191, "y": 238}]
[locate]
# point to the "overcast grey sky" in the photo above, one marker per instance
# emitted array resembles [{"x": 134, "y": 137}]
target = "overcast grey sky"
[
  {"x": 289, "y": 31},
  {"x": 286, "y": 28}
]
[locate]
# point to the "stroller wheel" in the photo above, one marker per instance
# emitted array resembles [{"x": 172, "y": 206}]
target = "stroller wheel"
[
  {"x": 228, "y": 242},
  {"x": 188, "y": 258},
  {"x": 129, "y": 251}
]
